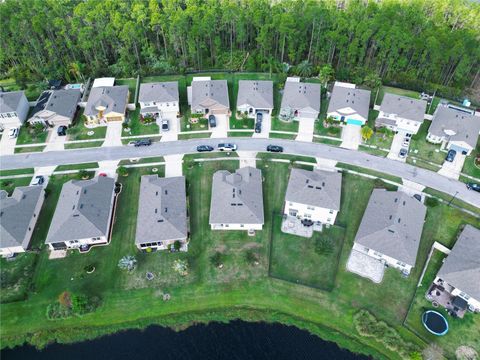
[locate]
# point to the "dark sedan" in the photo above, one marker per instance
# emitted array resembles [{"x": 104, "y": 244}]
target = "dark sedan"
[
  {"x": 450, "y": 155},
  {"x": 473, "y": 186},
  {"x": 274, "y": 148},
  {"x": 203, "y": 148}
]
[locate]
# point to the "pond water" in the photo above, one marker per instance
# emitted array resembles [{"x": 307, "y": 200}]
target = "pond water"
[{"x": 234, "y": 341}]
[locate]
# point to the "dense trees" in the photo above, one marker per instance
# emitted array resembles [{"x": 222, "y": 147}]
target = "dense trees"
[{"x": 404, "y": 41}]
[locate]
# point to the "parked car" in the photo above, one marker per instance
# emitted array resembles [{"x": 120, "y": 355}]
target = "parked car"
[
  {"x": 258, "y": 127},
  {"x": 227, "y": 147},
  {"x": 274, "y": 148},
  {"x": 212, "y": 121},
  {"x": 38, "y": 180},
  {"x": 203, "y": 148},
  {"x": 473, "y": 186},
  {"x": 143, "y": 142},
  {"x": 165, "y": 125},
  {"x": 259, "y": 117},
  {"x": 403, "y": 153},
  {"x": 450, "y": 155},
  {"x": 13, "y": 133},
  {"x": 406, "y": 142},
  {"x": 62, "y": 130}
]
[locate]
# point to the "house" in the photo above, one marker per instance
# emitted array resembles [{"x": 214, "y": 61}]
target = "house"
[
  {"x": 401, "y": 113},
  {"x": 83, "y": 216},
  {"x": 209, "y": 97},
  {"x": 237, "y": 200},
  {"x": 300, "y": 100},
  {"x": 18, "y": 216},
  {"x": 391, "y": 229},
  {"x": 59, "y": 108},
  {"x": 313, "y": 195},
  {"x": 162, "y": 213},
  {"x": 13, "y": 109},
  {"x": 105, "y": 81},
  {"x": 158, "y": 99},
  {"x": 349, "y": 104},
  {"x": 255, "y": 96},
  {"x": 105, "y": 104},
  {"x": 459, "y": 275},
  {"x": 454, "y": 128}
]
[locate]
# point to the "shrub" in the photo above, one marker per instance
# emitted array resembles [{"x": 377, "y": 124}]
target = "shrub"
[
  {"x": 431, "y": 201},
  {"x": 251, "y": 257},
  {"x": 122, "y": 171},
  {"x": 181, "y": 267},
  {"x": 323, "y": 246},
  {"x": 71, "y": 304},
  {"x": 177, "y": 245},
  {"x": 83, "y": 174},
  {"x": 217, "y": 259}
]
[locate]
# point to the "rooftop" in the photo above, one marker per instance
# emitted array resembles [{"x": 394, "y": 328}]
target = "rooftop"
[
  {"x": 256, "y": 93},
  {"x": 159, "y": 92},
  {"x": 299, "y": 95},
  {"x": 404, "y": 107},
  {"x": 347, "y": 100},
  {"x": 210, "y": 93},
  {"x": 9, "y": 100},
  {"x": 112, "y": 98}
]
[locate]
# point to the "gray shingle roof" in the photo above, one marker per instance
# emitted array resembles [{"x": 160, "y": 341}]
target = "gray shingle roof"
[
  {"x": 465, "y": 126},
  {"x": 113, "y": 98},
  {"x": 209, "y": 93},
  {"x": 63, "y": 102},
  {"x": 9, "y": 101},
  {"x": 159, "y": 92},
  {"x": 344, "y": 97},
  {"x": 405, "y": 107},
  {"x": 461, "y": 268},
  {"x": 315, "y": 188},
  {"x": 162, "y": 209},
  {"x": 256, "y": 93},
  {"x": 16, "y": 212},
  {"x": 299, "y": 95},
  {"x": 83, "y": 210},
  {"x": 244, "y": 187},
  {"x": 392, "y": 225}
]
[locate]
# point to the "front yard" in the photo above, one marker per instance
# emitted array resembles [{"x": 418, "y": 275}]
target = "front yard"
[
  {"x": 137, "y": 127},
  {"x": 280, "y": 125},
  {"x": 424, "y": 150},
  {"x": 78, "y": 131},
  {"x": 31, "y": 135}
]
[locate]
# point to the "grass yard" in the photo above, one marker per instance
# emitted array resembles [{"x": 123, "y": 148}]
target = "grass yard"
[
  {"x": 29, "y": 149},
  {"x": 9, "y": 185},
  {"x": 290, "y": 136},
  {"x": 152, "y": 138},
  {"x": 187, "y": 125},
  {"x": 28, "y": 135},
  {"x": 78, "y": 131},
  {"x": 153, "y": 159},
  {"x": 381, "y": 137},
  {"x": 92, "y": 165},
  {"x": 424, "y": 150},
  {"x": 332, "y": 131},
  {"x": 137, "y": 128},
  {"x": 194, "y": 136},
  {"x": 240, "y": 133},
  {"x": 295, "y": 259},
  {"x": 469, "y": 166},
  {"x": 235, "y": 123},
  {"x": 327, "y": 141},
  {"x": 449, "y": 198},
  {"x": 372, "y": 151},
  {"x": 423, "y": 164},
  {"x": 280, "y": 125},
  {"x": 370, "y": 172},
  {"x": 291, "y": 158},
  {"x": 83, "y": 145},
  {"x": 16, "y": 172}
]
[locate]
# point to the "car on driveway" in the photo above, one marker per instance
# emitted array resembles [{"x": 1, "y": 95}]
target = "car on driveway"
[
  {"x": 403, "y": 153},
  {"x": 451, "y": 155},
  {"x": 406, "y": 142},
  {"x": 13, "y": 133},
  {"x": 258, "y": 127},
  {"x": 143, "y": 142},
  {"x": 62, "y": 130},
  {"x": 204, "y": 148},
  {"x": 274, "y": 148},
  {"x": 473, "y": 186},
  {"x": 165, "y": 125},
  {"x": 227, "y": 147},
  {"x": 38, "y": 180},
  {"x": 212, "y": 121},
  {"x": 259, "y": 117}
]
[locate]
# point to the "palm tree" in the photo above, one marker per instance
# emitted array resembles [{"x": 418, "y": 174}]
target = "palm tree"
[
  {"x": 374, "y": 82},
  {"x": 367, "y": 133},
  {"x": 304, "y": 69},
  {"x": 326, "y": 74},
  {"x": 75, "y": 69}
]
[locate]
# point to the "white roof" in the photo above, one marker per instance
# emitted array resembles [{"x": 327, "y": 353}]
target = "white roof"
[{"x": 106, "y": 81}]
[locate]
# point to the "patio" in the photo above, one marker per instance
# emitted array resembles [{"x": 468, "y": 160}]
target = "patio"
[
  {"x": 366, "y": 266},
  {"x": 294, "y": 226},
  {"x": 440, "y": 294}
]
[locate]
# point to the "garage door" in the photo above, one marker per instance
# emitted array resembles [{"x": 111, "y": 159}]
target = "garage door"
[
  {"x": 459, "y": 149},
  {"x": 354, "y": 122}
]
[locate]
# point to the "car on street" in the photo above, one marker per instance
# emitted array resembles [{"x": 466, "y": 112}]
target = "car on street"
[
  {"x": 62, "y": 130},
  {"x": 38, "y": 180},
  {"x": 227, "y": 147},
  {"x": 165, "y": 125},
  {"x": 450, "y": 155},
  {"x": 403, "y": 153},
  {"x": 212, "y": 121},
  {"x": 259, "y": 117},
  {"x": 274, "y": 148},
  {"x": 258, "y": 127},
  {"x": 203, "y": 148},
  {"x": 13, "y": 133},
  {"x": 473, "y": 186},
  {"x": 406, "y": 142},
  {"x": 143, "y": 142}
]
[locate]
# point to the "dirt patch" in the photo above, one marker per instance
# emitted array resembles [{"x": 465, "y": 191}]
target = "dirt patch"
[
  {"x": 251, "y": 245},
  {"x": 466, "y": 353}
]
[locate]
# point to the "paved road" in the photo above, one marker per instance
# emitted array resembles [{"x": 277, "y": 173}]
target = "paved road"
[{"x": 406, "y": 171}]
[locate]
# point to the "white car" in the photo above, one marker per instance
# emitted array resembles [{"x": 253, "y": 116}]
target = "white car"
[
  {"x": 227, "y": 147},
  {"x": 13, "y": 133},
  {"x": 38, "y": 180}
]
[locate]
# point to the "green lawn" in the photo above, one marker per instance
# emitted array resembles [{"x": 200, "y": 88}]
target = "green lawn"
[
  {"x": 291, "y": 158},
  {"x": 152, "y": 138},
  {"x": 372, "y": 151},
  {"x": 153, "y": 159},
  {"x": 83, "y": 145},
  {"x": 294, "y": 259},
  {"x": 187, "y": 125},
  {"x": 291, "y": 136},
  {"x": 382, "y": 137},
  {"x": 280, "y": 125},
  {"x": 27, "y": 135},
  {"x": 469, "y": 167},
  {"x": 92, "y": 165},
  {"x": 241, "y": 123},
  {"x": 16, "y": 172},
  {"x": 78, "y": 131},
  {"x": 29, "y": 149},
  {"x": 137, "y": 128},
  {"x": 194, "y": 136},
  {"x": 327, "y": 141},
  {"x": 378, "y": 174},
  {"x": 424, "y": 150},
  {"x": 10, "y": 184},
  {"x": 451, "y": 198},
  {"x": 240, "y": 134},
  {"x": 332, "y": 131}
]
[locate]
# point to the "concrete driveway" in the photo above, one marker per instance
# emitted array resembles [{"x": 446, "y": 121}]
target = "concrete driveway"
[
  {"x": 396, "y": 146},
  {"x": 305, "y": 129},
  {"x": 172, "y": 133},
  {"x": 7, "y": 146},
  {"x": 173, "y": 165},
  {"x": 247, "y": 158},
  {"x": 266, "y": 127},
  {"x": 453, "y": 169},
  {"x": 351, "y": 136},
  {"x": 114, "y": 134},
  {"x": 221, "y": 130},
  {"x": 108, "y": 167},
  {"x": 55, "y": 142}
]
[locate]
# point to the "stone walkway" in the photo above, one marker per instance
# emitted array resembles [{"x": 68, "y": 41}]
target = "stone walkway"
[{"x": 365, "y": 266}]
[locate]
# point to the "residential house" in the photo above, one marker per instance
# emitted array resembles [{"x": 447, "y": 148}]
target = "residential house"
[
  {"x": 459, "y": 275},
  {"x": 162, "y": 213},
  {"x": 83, "y": 216},
  {"x": 391, "y": 229},
  {"x": 313, "y": 195},
  {"x": 255, "y": 96},
  {"x": 401, "y": 113},
  {"x": 455, "y": 128},
  {"x": 13, "y": 109},
  {"x": 209, "y": 97},
  {"x": 349, "y": 104},
  {"x": 300, "y": 100},
  {"x": 237, "y": 200},
  {"x": 159, "y": 99},
  {"x": 59, "y": 108},
  {"x": 18, "y": 216},
  {"x": 106, "y": 104}
]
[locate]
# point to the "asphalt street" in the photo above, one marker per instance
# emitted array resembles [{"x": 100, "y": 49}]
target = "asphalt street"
[{"x": 421, "y": 176}]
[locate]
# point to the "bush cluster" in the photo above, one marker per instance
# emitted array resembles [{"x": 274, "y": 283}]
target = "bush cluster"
[{"x": 69, "y": 304}]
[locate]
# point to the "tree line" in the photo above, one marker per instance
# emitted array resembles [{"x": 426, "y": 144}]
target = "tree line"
[{"x": 399, "y": 41}]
